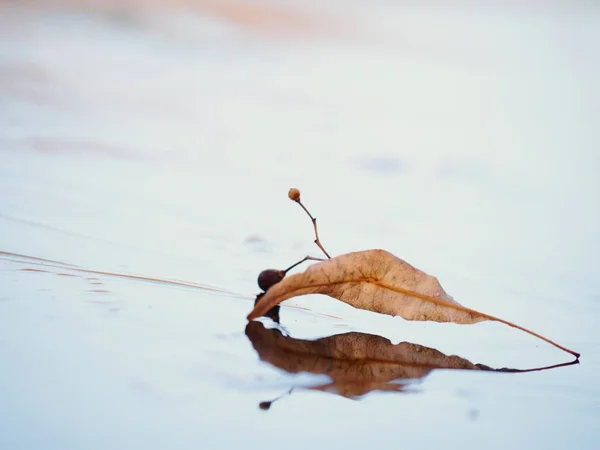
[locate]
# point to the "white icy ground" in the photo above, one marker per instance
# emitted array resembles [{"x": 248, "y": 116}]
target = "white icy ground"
[{"x": 162, "y": 142}]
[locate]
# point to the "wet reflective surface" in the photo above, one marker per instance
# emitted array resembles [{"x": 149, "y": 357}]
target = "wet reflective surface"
[
  {"x": 359, "y": 363},
  {"x": 146, "y": 152}
]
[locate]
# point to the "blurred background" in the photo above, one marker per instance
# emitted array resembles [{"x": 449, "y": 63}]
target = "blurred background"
[{"x": 160, "y": 138}]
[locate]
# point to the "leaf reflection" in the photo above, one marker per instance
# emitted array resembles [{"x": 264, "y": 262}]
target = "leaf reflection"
[{"x": 358, "y": 363}]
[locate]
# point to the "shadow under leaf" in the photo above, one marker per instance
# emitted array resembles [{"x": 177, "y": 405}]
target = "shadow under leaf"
[{"x": 358, "y": 363}]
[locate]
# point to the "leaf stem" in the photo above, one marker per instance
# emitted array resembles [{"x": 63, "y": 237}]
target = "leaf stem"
[
  {"x": 533, "y": 333},
  {"x": 314, "y": 222},
  {"x": 306, "y": 258},
  {"x": 265, "y": 406},
  {"x": 538, "y": 369}
]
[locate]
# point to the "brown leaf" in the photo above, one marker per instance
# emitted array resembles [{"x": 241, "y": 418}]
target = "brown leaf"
[
  {"x": 374, "y": 280},
  {"x": 378, "y": 281},
  {"x": 357, "y": 363}
]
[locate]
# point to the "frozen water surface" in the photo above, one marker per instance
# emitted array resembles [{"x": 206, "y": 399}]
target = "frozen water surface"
[{"x": 146, "y": 149}]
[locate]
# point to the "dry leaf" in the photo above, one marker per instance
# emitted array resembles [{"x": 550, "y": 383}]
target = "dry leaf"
[
  {"x": 378, "y": 281},
  {"x": 357, "y": 363}
]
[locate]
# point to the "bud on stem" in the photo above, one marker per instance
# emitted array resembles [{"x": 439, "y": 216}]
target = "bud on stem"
[{"x": 294, "y": 194}]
